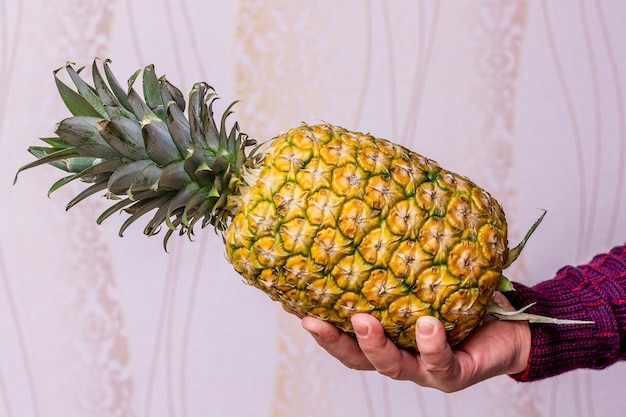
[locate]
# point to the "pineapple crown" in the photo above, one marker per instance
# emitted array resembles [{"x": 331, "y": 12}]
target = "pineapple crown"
[{"x": 145, "y": 153}]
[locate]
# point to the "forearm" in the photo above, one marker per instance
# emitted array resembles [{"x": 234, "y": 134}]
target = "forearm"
[{"x": 595, "y": 292}]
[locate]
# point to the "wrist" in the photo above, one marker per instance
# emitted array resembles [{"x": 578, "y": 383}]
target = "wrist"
[{"x": 523, "y": 346}]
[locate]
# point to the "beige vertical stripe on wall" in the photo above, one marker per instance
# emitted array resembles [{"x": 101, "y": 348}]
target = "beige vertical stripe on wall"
[{"x": 97, "y": 376}]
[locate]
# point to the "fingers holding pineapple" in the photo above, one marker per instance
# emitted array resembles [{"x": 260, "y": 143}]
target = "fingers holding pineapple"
[
  {"x": 371, "y": 350},
  {"x": 495, "y": 348}
]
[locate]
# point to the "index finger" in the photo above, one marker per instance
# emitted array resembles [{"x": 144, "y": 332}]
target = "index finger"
[{"x": 339, "y": 344}]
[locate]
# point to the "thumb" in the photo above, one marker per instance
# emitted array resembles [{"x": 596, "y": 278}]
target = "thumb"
[{"x": 435, "y": 353}]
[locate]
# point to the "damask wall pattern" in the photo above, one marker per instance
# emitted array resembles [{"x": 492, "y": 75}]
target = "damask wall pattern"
[{"x": 525, "y": 97}]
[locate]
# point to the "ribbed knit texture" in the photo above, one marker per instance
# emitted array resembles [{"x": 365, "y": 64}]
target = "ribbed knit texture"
[{"x": 597, "y": 292}]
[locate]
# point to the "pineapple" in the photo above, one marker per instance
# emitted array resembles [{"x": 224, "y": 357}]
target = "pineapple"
[{"x": 327, "y": 221}]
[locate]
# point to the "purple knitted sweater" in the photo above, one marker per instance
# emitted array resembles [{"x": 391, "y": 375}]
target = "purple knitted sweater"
[{"x": 597, "y": 292}]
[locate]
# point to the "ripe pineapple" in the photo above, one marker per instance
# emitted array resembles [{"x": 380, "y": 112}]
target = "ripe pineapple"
[{"x": 327, "y": 221}]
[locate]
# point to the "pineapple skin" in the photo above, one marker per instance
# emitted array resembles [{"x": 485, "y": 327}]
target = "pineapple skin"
[{"x": 336, "y": 223}]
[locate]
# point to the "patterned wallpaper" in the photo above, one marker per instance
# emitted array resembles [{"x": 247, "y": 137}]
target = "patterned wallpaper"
[{"x": 524, "y": 97}]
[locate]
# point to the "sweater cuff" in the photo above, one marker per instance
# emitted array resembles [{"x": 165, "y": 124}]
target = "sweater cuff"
[{"x": 556, "y": 349}]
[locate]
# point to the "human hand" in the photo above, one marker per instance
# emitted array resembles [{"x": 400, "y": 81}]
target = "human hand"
[{"x": 495, "y": 348}]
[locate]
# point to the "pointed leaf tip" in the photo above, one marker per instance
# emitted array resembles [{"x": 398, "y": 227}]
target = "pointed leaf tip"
[
  {"x": 521, "y": 315},
  {"x": 516, "y": 251}
]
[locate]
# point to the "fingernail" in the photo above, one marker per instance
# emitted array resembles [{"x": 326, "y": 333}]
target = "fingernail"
[
  {"x": 361, "y": 329},
  {"x": 425, "y": 327}
]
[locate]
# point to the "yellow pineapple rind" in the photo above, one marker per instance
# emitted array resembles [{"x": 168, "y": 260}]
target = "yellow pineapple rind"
[{"x": 338, "y": 222}]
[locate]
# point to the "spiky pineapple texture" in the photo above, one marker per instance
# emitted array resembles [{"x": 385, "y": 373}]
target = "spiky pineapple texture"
[
  {"x": 340, "y": 222},
  {"x": 328, "y": 221}
]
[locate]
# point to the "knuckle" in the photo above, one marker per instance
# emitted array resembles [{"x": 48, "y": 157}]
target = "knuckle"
[
  {"x": 352, "y": 364},
  {"x": 440, "y": 366},
  {"x": 441, "y": 372},
  {"x": 392, "y": 371},
  {"x": 447, "y": 387},
  {"x": 435, "y": 368},
  {"x": 444, "y": 384}
]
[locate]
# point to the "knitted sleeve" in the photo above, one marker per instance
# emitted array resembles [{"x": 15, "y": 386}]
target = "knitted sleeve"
[{"x": 596, "y": 292}]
